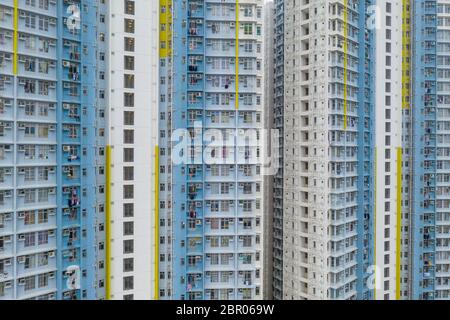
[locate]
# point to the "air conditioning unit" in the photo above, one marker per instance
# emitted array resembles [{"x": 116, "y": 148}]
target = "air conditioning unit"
[
  {"x": 51, "y": 254},
  {"x": 66, "y": 64},
  {"x": 21, "y": 237},
  {"x": 21, "y": 259},
  {"x": 66, "y": 106},
  {"x": 21, "y": 215}
]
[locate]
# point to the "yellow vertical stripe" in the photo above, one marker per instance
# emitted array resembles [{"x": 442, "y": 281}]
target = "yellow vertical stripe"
[
  {"x": 108, "y": 225},
  {"x": 375, "y": 224},
  {"x": 156, "y": 236},
  {"x": 345, "y": 26},
  {"x": 165, "y": 28},
  {"x": 236, "y": 99},
  {"x": 399, "y": 219},
  {"x": 406, "y": 54},
  {"x": 16, "y": 36}
]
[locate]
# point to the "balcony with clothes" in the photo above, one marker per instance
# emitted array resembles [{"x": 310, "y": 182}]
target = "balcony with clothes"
[
  {"x": 44, "y": 90},
  {"x": 71, "y": 175},
  {"x": 71, "y": 91},
  {"x": 71, "y": 197},
  {"x": 196, "y": 45},
  {"x": 71, "y": 51},
  {"x": 194, "y": 210},
  {"x": 71, "y": 71},
  {"x": 194, "y": 282},
  {"x": 32, "y": 220},
  {"x": 195, "y": 104},
  {"x": 37, "y": 262},
  {"x": 71, "y": 154},
  {"x": 71, "y": 217},
  {"x": 71, "y": 237},
  {"x": 71, "y": 134},
  {"x": 194, "y": 245},
  {"x": 195, "y": 9},
  {"x": 194, "y": 173},
  {"x": 194, "y": 263},
  {"x": 195, "y": 27},
  {"x": 41, "y": 68},
  {"x": 195, "y": 64},
  {"x": 195, "y": 81},
  {"x": 195, "y": 191},
  {"x": 194, "y": 227},
  {"x": 70, "y": 257}
]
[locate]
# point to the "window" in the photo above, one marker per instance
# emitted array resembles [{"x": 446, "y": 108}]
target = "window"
[
  {"x": 129, "y": 25},
  {"x": 129, "y": 44},
  {"x": 128, "y": 173},
  {"x": 29, "y": 218},
  {"x": 128, "y": 246},
  {"x": 128, "y": 99},
  {"x": 30, "y": 283},
  {"x": 128, "y": 210},
  {"x": 129, "y": 63},
  {"x": 128, "y": 136},
  {"x": 128, "y": 81},
  {"x": 128, "y": 283},
  {"x": 128, "y": 228},
  {"x": 128, "y": 117},
  {"x": 128, "y": 192},
  {"x": 30, "y": 239},
  {"x": 129, "y": 7},
  {"x": 128, "y": 155},
  {"x": 128, "y": 265},
  {"x": 43, "y": 280}
]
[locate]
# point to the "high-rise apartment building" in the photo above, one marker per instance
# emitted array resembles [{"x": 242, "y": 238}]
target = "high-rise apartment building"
[
  {"x": 210, "y": 182},
  {"x": 51, "y": 149},
  {"x": 323, "y": 103},
  {"x": 361, "y": 205},
  {"x": 132, "y": 169}
]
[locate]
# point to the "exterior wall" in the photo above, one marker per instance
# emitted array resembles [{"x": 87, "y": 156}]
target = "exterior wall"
[
  {"x": 51, "y": 186},
  {"x": 214, "y": 211},
  {"x": 388, "y": 143},
  {"x": 133, "y": 128},
  {"x": 327, "y": 172}
]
